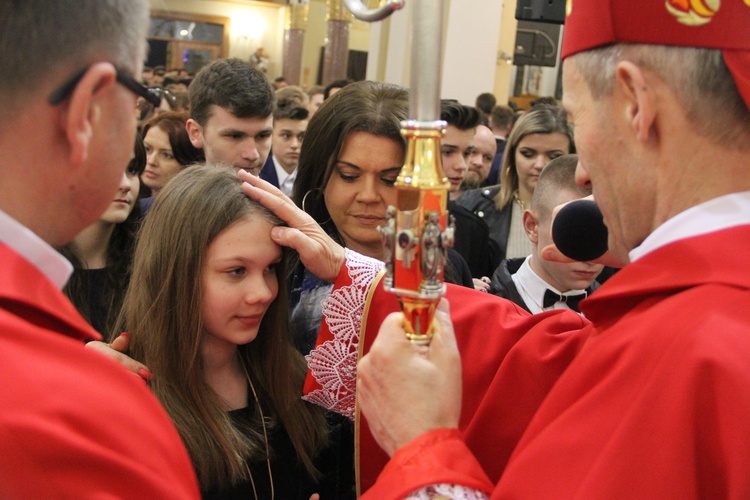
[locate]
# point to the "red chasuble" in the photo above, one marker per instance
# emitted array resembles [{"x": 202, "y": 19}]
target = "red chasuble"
[
  {"x": 74, "y": 424},
  {"x": 487, "y": 328},
  {"x": 655, "y": 405}
]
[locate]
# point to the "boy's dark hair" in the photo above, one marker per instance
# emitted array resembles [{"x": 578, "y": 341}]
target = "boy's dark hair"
[
  {"x": 336, "y": 84},
  {"x": 233, "y": 85},
  {"x": 501, "y": 117},
  {"x": 460, "y": 116},
  {"x": 291, "y": 103},
  {"x": 485, "y": 102},
  {"x": 291, "y": 110}
]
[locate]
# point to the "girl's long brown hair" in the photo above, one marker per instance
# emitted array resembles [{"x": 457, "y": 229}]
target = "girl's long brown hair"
[{"x": 162, "y": 313}]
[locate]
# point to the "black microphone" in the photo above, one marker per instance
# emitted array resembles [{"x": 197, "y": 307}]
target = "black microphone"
[{"x": 579, "y": 231}]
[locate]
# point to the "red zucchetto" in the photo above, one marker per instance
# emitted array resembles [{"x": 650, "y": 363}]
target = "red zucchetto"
[{"x": 714, "y": 24}]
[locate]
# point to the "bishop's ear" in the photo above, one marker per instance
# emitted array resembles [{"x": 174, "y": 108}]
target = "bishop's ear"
[{"x": 635, "y": 98}]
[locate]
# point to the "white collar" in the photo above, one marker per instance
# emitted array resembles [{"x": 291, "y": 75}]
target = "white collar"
[
  {"x": 38, "y": 252},
  {"x": 710, "y": 216},
  {"x": 286, "y": 181},
  {"x": 532, "y": 287}
]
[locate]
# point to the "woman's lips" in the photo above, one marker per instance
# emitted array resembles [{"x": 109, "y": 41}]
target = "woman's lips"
[{"x": 369, "y": 220}]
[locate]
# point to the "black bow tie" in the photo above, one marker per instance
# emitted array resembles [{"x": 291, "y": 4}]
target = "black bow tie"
[{"x": 572, "y": 301}]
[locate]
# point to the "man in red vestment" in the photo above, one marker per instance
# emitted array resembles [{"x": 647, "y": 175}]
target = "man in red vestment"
[
  {"x": 73, "y": 424},
  {"x": 656, "y": 401}
]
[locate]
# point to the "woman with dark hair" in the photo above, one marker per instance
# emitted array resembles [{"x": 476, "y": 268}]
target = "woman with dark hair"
[
  {"x": 206, "y": 310},
  {"x": 102, "y": 253},
  {"x": 350, "y": 159},
  {"x": 168, "y": 149},
  {"x": 540, "y": 135}
]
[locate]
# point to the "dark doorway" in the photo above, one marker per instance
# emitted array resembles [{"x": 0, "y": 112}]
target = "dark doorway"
[{"x": 157, "y": 53}]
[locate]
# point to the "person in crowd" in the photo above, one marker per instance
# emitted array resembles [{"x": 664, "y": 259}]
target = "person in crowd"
[
  {"x": 168, "y": 101},
  {"x": 231, "y": 114},
  {"x": 102, "y": 253},
  {"x": 316, "y": 98},
  {"x": 501, "y": 122},
  {"x": 480, "y": 160},
  {"x": 484, "y": 103},
  {"x": 652, "y": 402},
  {"x": 168, "y": 150},
  {"x": 289, "y": 125},
  {"x": 206, "y": 310},
  {"x": 157, "y": 80},
  {"x": 73, "y": 424},
  {"x": 534, "y": 283},
  {"x": 351, "y": 157},
  {"x": 176, "y": 85},
  {"x": 260, "y": 60},
  {"x": 545, "y": 101},
  {"x": 334, "y": 87},
  {"x": 279, "y": 83},
  {"x": 146, "y": 75},
  {"x": 542, "y": 134},
  {"x": 472, "y": 239}
]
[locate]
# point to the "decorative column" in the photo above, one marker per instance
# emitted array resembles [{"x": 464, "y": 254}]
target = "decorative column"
[
  {"x": 336, "y": 54},
  {"x": 294, "y": 39}
]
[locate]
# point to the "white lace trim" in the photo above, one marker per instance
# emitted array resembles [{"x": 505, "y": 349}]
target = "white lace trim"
[
  {"x": 333, "y": 364},
  {"x": 447, "y": 491}
]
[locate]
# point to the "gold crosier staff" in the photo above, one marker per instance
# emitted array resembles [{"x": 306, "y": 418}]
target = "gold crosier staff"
[{"x": 417, "y": 230}]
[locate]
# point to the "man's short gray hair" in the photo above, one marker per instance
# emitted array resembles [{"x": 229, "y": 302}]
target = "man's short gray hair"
[
  {"x": 38, "y": 37},
  {"x": 699, "y": 78}
]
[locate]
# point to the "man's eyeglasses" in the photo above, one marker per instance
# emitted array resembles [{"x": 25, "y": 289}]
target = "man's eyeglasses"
[{"x": 123, "y": 78}]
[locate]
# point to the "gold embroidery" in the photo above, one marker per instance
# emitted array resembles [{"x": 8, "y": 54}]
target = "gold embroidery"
[{"x": 693, "y": 12}]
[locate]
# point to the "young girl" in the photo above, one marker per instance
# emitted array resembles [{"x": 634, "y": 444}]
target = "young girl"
[
  {"x": 206, "y": 311},
  {"x": 102, "y": 253}
]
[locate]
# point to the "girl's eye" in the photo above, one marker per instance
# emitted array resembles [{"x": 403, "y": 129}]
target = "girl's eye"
[
  {"x": 236, "y": 272},
  {"x": 388, "y": 181},
  {"x": 271, "y": 269}
]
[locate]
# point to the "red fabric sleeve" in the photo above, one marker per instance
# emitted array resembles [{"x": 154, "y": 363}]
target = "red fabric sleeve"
[
  {"x": 510, "y": 360},
  {"x": 438, "y": 456}
]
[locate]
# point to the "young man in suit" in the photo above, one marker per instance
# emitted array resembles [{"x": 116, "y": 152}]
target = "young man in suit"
[{"x": 532, "y": 282}]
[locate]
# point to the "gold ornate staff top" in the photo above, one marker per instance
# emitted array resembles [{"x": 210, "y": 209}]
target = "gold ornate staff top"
[{"x": 417, "y": 230}]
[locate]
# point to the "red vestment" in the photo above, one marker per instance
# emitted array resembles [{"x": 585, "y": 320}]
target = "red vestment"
[
  {"x": 656, "y": 403},
  {"x": 74, "y": 424},
  {"x": 486, "y": 326}
]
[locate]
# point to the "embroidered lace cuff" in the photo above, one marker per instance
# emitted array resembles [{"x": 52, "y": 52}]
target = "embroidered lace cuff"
[
  {"x": 452, "y": 491},
  {"x": 333, "y": 363}
]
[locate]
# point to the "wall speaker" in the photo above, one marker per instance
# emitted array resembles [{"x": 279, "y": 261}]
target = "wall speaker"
[
  {"x": 541, "y": 11},
  {"x": 536, "y": 44}
]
